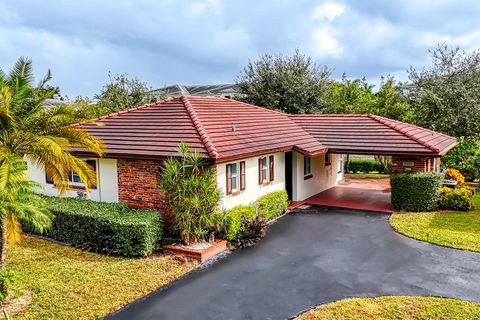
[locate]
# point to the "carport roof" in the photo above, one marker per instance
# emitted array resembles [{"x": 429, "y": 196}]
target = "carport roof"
[{"x": 371, "y": 134}]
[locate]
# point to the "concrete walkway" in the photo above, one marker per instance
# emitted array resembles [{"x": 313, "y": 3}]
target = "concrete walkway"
[{"x": 313, "y": 257}]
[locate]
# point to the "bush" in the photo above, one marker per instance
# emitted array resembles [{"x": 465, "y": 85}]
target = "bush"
[
  {"x": 415, "y": 191},
  {"x": 110, "y": 228},
  {"x": 241, "y": 226},
  {"x": 272, "y": 204},
  {"x": 465, "y": 157},
  {"x": 453, "y": 174},
  {"x": 365, "y": 166},
  {"x": 456, "y": 199}
]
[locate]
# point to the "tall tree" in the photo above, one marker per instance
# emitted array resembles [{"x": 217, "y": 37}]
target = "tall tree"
[
  {"x": 121, "y": 93},
  {"x": 292, "y": 84},
  {"x": 350, "y": 96},
  {"x": 446, "y": 95}
]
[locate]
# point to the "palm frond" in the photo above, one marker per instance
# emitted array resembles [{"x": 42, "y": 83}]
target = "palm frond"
[
  {"x": 45, "y": 79},
  {"x": 13, "y": 229},
  {"x": 22, "y": 69}
]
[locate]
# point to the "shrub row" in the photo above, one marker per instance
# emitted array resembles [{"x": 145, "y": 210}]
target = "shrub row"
[
  {"x": 110, "y": 228},
  {"x": 365, "y": 166},
  {"x": 242, "y": 226},
  {"x": 415, "y": 191},
  {"x": 459, "y": 198}
]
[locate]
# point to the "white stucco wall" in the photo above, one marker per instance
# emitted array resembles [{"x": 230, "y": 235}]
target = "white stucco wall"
[
  {"x": 107, "y": 180},
  {"x": 324, "y": 177},
  {"x": 252, "y": 189}
]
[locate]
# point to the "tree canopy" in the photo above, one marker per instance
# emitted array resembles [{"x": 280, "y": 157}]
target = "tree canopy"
[
  {"x": 292, "y": 84},
  {"x": 446, "y": 95}
]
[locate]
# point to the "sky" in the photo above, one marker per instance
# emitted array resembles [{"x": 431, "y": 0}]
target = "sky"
[{"x": 209, "y": 41}]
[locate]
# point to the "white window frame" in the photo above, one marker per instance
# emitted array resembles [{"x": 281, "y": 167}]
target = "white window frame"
[
  {"x": 307, "y": 164},
  {"x": 340, "y": 163},
  {"x": 265, "y": 169},
  {"x": 72, "y": 174},
  {"x": 236, "y": 176}
]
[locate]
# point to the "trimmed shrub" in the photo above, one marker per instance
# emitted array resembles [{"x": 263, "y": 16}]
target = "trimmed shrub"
[
  {"x": 365, "y": 166},
  {"x": 454, "y": 175},
  {"x": 241, "y": 226},
  {"x": 110, "y": 228},
  {"x": 272, "y": 204},
  {"x": 415, "y": 191},
  {"x": 455, "y": 199}
]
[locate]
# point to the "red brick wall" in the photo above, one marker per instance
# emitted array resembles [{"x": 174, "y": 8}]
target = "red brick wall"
[
  {"x": 402, "y": 163},
  {"x": 138, "y": 184}
]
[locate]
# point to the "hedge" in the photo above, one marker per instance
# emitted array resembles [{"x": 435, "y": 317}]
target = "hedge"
[
  {"x": 272, "y": 204},
  {"x": 110, "y": 228},
  {"x": 236, "y": 222},
  {"x": 365, "y": 166},
  {"x": 415, "y": 191}
]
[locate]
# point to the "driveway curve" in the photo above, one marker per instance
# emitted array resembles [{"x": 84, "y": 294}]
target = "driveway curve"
[{"x": 311, "y": 257}]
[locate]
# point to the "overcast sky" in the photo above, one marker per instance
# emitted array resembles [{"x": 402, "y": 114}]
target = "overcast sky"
[{"x": 209, "y": 41}]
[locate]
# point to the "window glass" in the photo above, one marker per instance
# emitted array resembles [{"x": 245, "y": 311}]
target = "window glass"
[
  {"x": 340, "y": 163},
  {"x": 234, "y": 177},
  {"x": 307, "y": 166},
  {"x": 264, "y": 169}
]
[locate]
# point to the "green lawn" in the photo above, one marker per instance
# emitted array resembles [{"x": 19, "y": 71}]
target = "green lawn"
[
  {"x": 395, "y": 308},
  {"x": 454, "y": 229},
  {"x": 367, "y": 175},
  {"x": 72, "y": 284}
]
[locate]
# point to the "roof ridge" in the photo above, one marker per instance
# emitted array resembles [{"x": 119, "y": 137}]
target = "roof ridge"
[
  {"x": 388, "y": 122},
  {"x": 208, "y": 143},
  {"x": 328, "y": 115},
  {"x": 110, "y": 115}
]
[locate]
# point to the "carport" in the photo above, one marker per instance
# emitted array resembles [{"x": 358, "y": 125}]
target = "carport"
[{"x": 412, "y": 148}]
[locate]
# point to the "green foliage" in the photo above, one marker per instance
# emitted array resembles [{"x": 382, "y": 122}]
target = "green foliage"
[
  {"x": 446, "y": 96},
  {"x": 415, "y": 191},
  {"x": 191, "y": 194},
  {"x": 121, "y": 93},
  {"x": 357, "y": 96},
  {"x": 272, "y": 204},
  {"x": 465, "y": 157},
  {"x": 364, "y": 165},
  {"x": 242, "y": 225},
  {"x": 7, "y": 282},
  {"x": 456, "y": 199},
  {"x": 292, "y": 84},
  {"x": 110, "y": 228},
  {"x": 251, "y": 230}
]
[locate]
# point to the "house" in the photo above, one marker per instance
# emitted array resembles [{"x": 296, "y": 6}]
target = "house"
[
  {"x": 206, "y": 90},
  {"x": 253, "y": 150}
]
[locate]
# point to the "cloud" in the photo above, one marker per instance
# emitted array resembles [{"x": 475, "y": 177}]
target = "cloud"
[
  {"x": 325, "y": 42},
  {"x": 202, "y": 41},
  {"x": 327, "y": 11}
]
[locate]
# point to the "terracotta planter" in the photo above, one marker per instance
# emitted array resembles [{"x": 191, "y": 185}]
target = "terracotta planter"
[{"x": 199, "y": 254}]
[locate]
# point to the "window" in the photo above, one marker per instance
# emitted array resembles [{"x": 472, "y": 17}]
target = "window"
[
  {"x": 266, "y": 169},
  {"x": 232, "y": 176},
  {"x": 340, "y": 163},
  {"x": 73, "y": 178},
  {"x": 235, "y": 180},
  {"x": 328, "y": 159},
  {"x": 307, "y": 166}
]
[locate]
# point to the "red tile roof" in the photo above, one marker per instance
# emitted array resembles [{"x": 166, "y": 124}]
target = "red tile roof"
[
  {"x": 370, "y": 134},
  {"x": 219, "y": 129}
]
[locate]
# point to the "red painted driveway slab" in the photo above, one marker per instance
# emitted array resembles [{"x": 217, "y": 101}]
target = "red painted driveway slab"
[{"x": 353, "y": 198}]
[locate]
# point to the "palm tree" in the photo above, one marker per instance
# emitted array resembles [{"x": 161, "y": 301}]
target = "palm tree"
[{"x": 43, "y": 136}]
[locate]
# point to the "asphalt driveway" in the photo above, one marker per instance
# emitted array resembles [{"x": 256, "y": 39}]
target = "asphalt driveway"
[{"x": 312, "y": 257}]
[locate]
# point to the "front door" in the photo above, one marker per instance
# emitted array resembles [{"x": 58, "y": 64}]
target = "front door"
[{"x": 289, "y": 173}]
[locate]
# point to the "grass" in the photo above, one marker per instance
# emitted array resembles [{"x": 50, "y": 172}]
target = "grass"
[
  {"x": 367, "y": 175},
  {"x": 395, "y": 308},
  {"x": 72, "y": 284},
  {"x": 455, "y": 229}
]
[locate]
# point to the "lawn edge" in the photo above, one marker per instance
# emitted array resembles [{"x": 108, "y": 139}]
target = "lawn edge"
[
  {"x": 425, "y": 241},
  {"x": 371, "y": 297}
]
